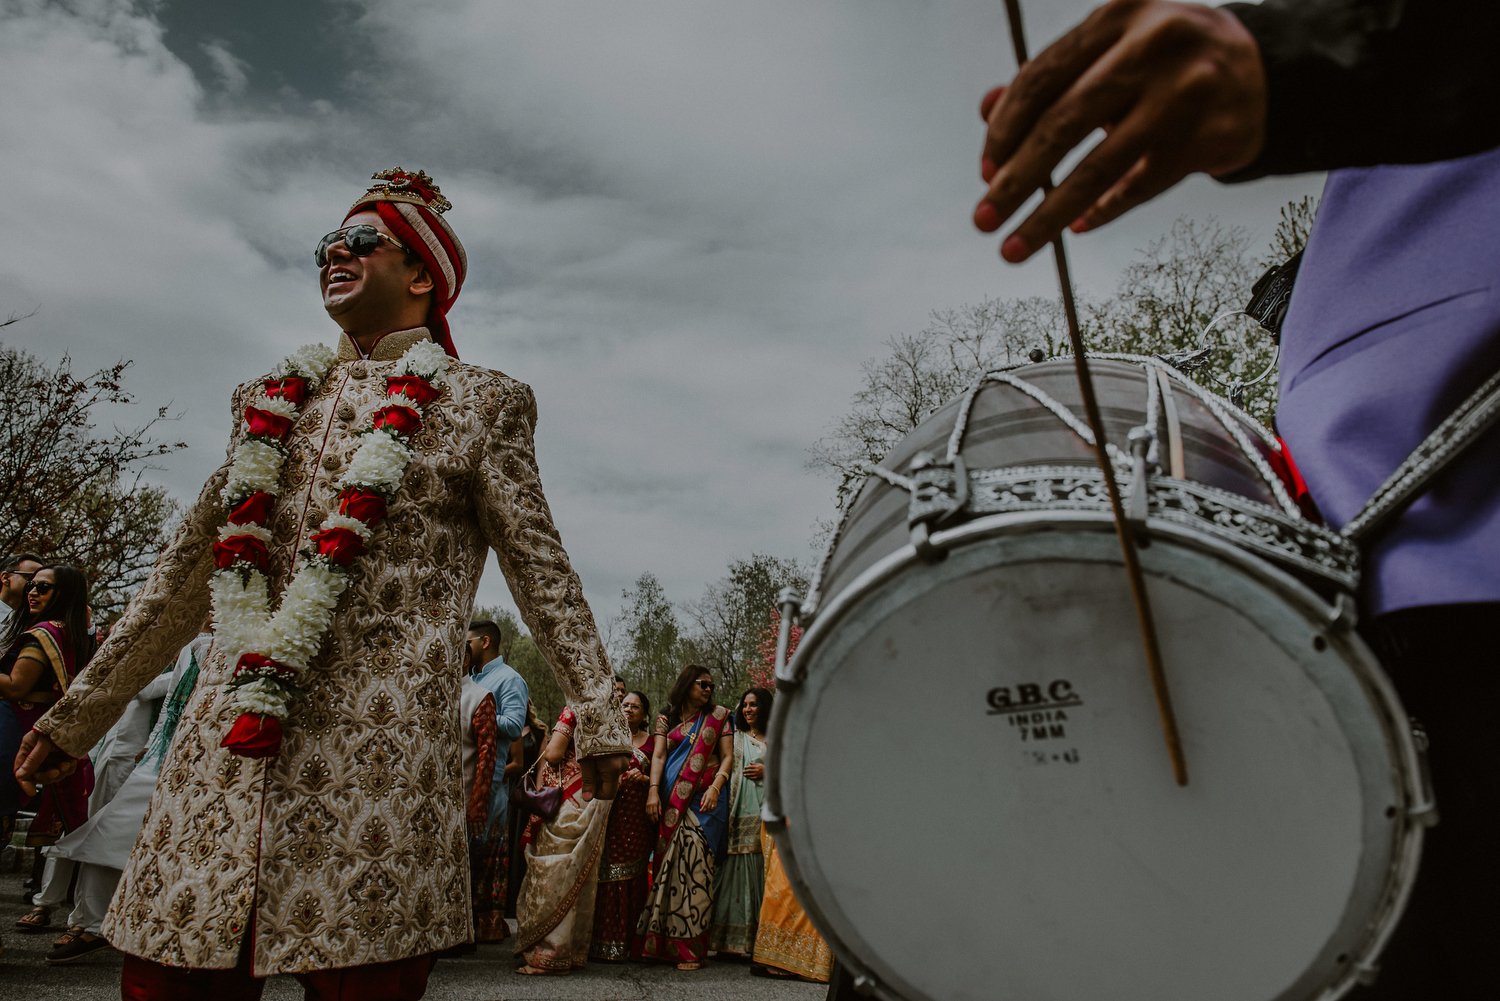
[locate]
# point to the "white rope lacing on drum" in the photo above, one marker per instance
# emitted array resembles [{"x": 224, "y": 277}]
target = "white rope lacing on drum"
[
  {"x": 1234, "y": 420},
  {"x": 961, "y": 419},
  {"x": 894, "y": 479},
  {"x": 1153, "y": 414},
  {"x": 1119, "y": 458}
]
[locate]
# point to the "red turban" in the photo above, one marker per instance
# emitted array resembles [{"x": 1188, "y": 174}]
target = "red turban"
[{"x": 411, "y": 206}]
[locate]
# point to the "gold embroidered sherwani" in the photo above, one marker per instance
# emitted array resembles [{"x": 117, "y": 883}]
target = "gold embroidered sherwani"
[{"x": 348, "y": 847}]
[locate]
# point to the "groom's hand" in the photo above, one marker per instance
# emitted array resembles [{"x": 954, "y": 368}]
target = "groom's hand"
[
  {"x": 40, "y": 761},
  {"x": 601, "y": 775}
]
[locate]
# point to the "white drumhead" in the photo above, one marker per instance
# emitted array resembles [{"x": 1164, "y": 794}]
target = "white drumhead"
[{"x": 980, "y": 804}]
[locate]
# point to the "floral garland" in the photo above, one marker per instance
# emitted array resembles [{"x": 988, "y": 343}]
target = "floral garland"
[{"x": 270, "y": 650}]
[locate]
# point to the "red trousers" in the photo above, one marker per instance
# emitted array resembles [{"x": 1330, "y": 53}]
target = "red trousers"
[{"x": 399, "y": 980}]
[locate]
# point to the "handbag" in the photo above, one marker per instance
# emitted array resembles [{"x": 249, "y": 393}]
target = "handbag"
[{"x": 545, "y": 803}]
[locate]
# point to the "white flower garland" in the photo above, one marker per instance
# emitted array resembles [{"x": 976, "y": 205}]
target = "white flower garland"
[{"x": 270, "y": 649}]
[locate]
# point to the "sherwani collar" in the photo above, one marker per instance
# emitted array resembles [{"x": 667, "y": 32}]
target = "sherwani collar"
[{"x": 390, "y": 347}]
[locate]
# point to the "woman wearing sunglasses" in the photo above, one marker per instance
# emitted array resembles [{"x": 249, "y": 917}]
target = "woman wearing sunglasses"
[
  {"x": 46, "y": 646},
  {"x": 689, "y": 769}
]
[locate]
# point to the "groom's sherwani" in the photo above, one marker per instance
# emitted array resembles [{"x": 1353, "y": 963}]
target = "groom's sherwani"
[{"x": 348, "y": 847}]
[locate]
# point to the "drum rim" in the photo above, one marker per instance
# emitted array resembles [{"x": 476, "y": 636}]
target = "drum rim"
[{"x": 1405, "y": 759}]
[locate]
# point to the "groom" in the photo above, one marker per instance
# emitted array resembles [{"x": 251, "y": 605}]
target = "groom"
[{"x": 339, "y": 853}]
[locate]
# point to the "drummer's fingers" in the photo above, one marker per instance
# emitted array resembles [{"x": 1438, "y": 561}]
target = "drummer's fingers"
[
  {"x": 1141, "y": 183},
  {"x": 1106, "y": 167},
  {"x": 1067, "y": 123},
  {"x": 1021, "y": 105}
]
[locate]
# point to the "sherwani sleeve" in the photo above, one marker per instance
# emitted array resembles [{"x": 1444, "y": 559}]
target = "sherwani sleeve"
[
  {"x": 165, "y": 614},
  {"x": 517, "y": 522}
]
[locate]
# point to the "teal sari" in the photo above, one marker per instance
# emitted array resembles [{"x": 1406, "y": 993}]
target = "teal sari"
[{"x": 740, "y": 882}]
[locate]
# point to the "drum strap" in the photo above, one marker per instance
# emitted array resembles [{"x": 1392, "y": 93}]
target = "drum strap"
[{"x": 1449, "y": 440}]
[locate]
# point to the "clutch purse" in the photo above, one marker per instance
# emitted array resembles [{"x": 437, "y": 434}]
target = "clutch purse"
[{"x": 545, "y": 803}]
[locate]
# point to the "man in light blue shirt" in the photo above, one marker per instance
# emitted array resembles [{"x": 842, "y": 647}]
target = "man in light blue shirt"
[{"x": 490, "y": 672}]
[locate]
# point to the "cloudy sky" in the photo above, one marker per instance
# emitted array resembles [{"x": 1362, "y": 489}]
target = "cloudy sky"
[{"x": 687, "y": 222}]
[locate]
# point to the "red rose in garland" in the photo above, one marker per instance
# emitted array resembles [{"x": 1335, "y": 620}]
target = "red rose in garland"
[
  {"x": 364, "y": 505},
  {"x": 241, "y": 547},
  {"x": 254, "y": 736},
  {"x": 403, "y": 420},
  {"x": 341, "y": 545},
  {"x": 253, "y": 510},
  {"x": 266, "y": 424},
  {"x": 292, "y": 389},
  {"x": 413, "y": 387}
]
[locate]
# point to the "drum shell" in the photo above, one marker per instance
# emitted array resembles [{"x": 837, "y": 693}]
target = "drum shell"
[{"x": 1008, "y": 428}]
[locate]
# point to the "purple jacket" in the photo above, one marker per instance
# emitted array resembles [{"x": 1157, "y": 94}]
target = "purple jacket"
[{"x": 1392, "y": 323}]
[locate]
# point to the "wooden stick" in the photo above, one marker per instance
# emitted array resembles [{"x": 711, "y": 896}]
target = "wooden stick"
[{"x": 1123, "y": 530}]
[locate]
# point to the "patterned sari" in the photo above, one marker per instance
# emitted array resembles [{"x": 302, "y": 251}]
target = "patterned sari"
[
  {"x": 674, "y": 925},
  {"x": 786, "y": 938},
  {"x": 555, "y": 910},
  {"x": 740, "y": 882},
  {"x": 623, "y": 882},
  {"x": 64, "y": 805}
]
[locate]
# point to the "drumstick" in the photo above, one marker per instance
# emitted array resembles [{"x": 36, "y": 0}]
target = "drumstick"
[{"x": 1096, "y": 424}]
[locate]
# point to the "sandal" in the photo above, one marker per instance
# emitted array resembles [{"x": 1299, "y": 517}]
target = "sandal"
[
  {"x": 68, "y": 936},
  {"x": 532, "y": 971},
  {"x": 38, "y": 919},
  {"x": 685, "y": 967}
]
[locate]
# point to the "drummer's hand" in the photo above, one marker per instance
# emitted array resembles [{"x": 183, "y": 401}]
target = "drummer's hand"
[
  {"x": 653, "y": 804},
  {"x": 40, "y": 761},
  {"x": 755, "y": 772},
  {"x": 1178, "y": 87},
  {"x": 601, "y": 775}
]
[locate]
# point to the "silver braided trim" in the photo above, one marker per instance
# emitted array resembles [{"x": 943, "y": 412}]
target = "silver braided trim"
[
  {"x": 1473, "y": 417},
  {"x": 1295, "y": 543}
]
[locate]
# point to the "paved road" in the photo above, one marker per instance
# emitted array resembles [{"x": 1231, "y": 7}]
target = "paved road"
[{"x": 485, "y": 976}]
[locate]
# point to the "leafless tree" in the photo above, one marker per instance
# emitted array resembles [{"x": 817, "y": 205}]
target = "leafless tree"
[
  {"x": 71, "y": 493},
  {"x": 1165, "y": 301}
]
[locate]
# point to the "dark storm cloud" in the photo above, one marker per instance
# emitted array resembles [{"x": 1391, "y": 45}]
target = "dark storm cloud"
[{"x": 686, "y": 223}]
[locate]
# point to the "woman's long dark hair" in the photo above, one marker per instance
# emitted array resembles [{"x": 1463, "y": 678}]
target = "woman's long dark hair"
[
  {"x": 677, "y": 698},
  {"x": 762, "y": 710},
  {"x": 69, "y": 605}
]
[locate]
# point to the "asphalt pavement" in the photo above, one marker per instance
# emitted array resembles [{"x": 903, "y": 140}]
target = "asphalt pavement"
[{"x": 487, "y": 975}]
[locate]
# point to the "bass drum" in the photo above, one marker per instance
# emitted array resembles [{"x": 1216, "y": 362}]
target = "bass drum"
[{"x": 977, "y": 798}]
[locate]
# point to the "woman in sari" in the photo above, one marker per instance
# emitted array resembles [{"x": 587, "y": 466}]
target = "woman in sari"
[
  {"x": 786, "y": 943},
  {"x": 627, "y": 843},
  {"x": 46, "y": 647},
  {"x": 689, "y": 769},
  {"x": 740, "y": 882},
  {"x": 555, "y": 912}
]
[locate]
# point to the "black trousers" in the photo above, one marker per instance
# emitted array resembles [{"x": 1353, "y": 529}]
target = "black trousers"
[{"x": 1445, "y": 663}]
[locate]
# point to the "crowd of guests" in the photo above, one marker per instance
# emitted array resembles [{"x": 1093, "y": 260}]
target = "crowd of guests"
[
  {"x": 675, "y": 868},
  {"x": 48, "y": 636}
]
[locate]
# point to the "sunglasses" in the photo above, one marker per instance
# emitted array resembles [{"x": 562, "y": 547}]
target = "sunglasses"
[
  {"x": 21, "y": 574},
  {"x": 361, "y": 241},
  {"x": 39, "y": 586},
  {"x": 707, "y": 686}
]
